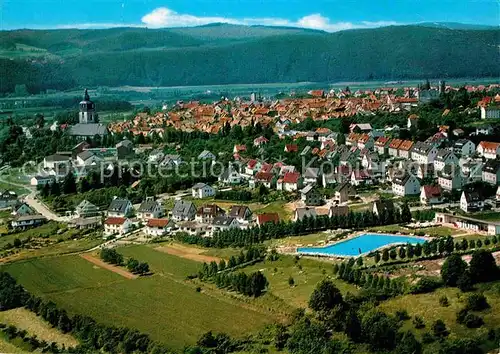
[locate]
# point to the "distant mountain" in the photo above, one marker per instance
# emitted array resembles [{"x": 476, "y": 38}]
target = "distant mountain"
[
  {"x": 226, "y": 54},
  {"x": 456, "y": 25}
]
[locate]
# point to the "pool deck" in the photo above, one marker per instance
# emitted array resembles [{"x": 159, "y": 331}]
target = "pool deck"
[{"x": 353, "y": 236}]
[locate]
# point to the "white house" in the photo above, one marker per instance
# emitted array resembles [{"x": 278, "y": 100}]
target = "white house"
[
  {"x": 423, "y": 153},
  {"x": 444, "y": 157},
  {"x": 8, "y": 199},
  {"x": 491, "y": 172},
  {"x": 223, "y": 223},
  {"x": 430, "y": 195},
  {"x": 488, "y": 150},
  {"x": 27, "y": 221},
  {"x": 290, "y": 182},
  {"x": 202, "y": 190},
  {"x": 119, "y": 207},
  {"x": 404, "y": 185},
  {"x": 149, "y": 209},
  {"x": 117, "y": 226},
  {"x": 206, "y": 155},
  {"x": 52, "y": 161},
  {"x": 158, "y": 227},
  {"x": 471, "y": 202},
  {"x": 40, "y": 181},
  {"x": 87, "y": 158},
  {"x": 241, "y": 213},
  {"x": 450, "y": 178}
]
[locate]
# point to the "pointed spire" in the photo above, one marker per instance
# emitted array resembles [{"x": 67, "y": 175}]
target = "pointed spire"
[{"x": 86, "y": 97}]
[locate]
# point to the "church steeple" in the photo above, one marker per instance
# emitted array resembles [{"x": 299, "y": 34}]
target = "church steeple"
[{"x": 87, "y": 110}]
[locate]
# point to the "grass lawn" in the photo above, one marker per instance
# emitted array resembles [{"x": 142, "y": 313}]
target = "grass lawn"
[
  {"x": 433, "y": 231},
  {"x": 176, "y": 314},
  {"x": 7, "y": 346},
  {"x": 300, "y": 240},
  {"x": 10, "y": 187},
  {"x": 427, "y": 306},
  {"x": 279, "y": 207},
  {"x": 305, "y": 279},
  {"x": 34, "y": 325},
  {"x": 486, "y": 216}
]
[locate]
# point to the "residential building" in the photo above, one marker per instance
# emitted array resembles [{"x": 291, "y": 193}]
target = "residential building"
[
  {"x": 266, "y": 218},
  {"x": 444, "y": 157},
  {"x": 194, "y": 228},
  {"x": 87, "y": 158},
  {"x": 42, "y": 180},
  {"x": 8, "y": 199},
  {"x": 423, "y": 153},
  {"x": 471, "y": 201},
  {"x": 241, "y": 213},
  {"x": 230, "y": 176},
  {"x": 404, "y": 150},
  {"x": 341, "y": 193},
  {"x": 206, "y": 155},
  {"x": 27, "y": 221},
  {"x": 491, "y": 172},
  {"x": 149, "y": 209},
  {"x": 430, "y": 195},
  {"x": 404, "y": 184},
  {"x": 338, "y": 210},
  {"x": 86, "y": 223},
  {"x": 311, "y": 175},
  {"x": 425, "y": 171},
  {"x": 394, "y": 147},
  {"x": 224, "y": 223},
  {"x": 202, "y": 190},
  {"x": 171, "y": 161},
  {"x": 491, "y": 112},
  {"x": 361, "y": 127},
  {"x": 124, "y": 149},
  {"x": 450, "y": 178},
  {"x": 252, "y": 167},
  {"x": 484, "y": 130},
  {"x": 412, "y": 121},
  {"x": 290, "y": 182},
  {"x": 265, "y": 178},
  {"x": 311, "y": 196},
  {"x": 469, "y": 223},
  {"x": 120, "y": 208},
  {"x": 208, "y": 212},
  {"x": 291, "y": 148},
  {"x": 382, "y": 145},
  {"x": 117, "y": 226},
  {"x": 464, "y": 147},
  {"x": 366, "y": 141},
  {"x": 22, "y": 210},
  {"x": 261, "y": 140},
  {"x": 360, "y": 177},
  {"x": 86, "y": 210},
  {"x": 52, "y": 161},
  {"x": 473, "y": 170},
  {"x": 301, "y": 213},
  {"x": 158, "y": 227},
  {"x": 497, "y": 198},
  {"x": 183, "y": 211},
  {"x": 489, "y": 150}
]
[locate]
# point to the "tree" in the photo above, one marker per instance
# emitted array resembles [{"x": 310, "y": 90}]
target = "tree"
[
  {"x": 418, "y": 250},
  {"x": 385, "y": 255},
  {"x": 439, "y": 329},
  {"x": 465, "y": 282},
  {"x": 405, "y": 213},
  {"x": 132, "y": 265},
  {"x": 393, "y": 254},
  {"x": 69, "y": 184},
  {"x": 377, "y": 257},
  {"x": 453, "y": 267},
  {"x": 359, "y": 261},
  {"x": 477, "y": 302},
  {"x": 335, "y": 268},
  {"x": 353, "y": 326},
  {"x": 291, "y": 282},
  {"x": 402, "y": 252},
  {"x": 482, "y": 267},
  {"x": 379, "y": 330},
  {"x": 408, "y": 344},
  {"x": 325, "y": 296}
]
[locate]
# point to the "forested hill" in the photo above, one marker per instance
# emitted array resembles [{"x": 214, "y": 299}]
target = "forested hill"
[{"x": 223, "y": 54}]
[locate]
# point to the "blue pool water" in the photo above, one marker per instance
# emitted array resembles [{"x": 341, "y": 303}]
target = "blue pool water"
[{"x": 360, "y": 244}]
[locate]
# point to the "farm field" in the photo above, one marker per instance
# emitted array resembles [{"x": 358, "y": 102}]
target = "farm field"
[
  {"x": 7, "y": 347},
  {"x": 34, "y": 325},
  {"x": 163, "y": 298}
]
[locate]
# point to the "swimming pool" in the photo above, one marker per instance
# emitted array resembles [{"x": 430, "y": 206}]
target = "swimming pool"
[{"x": 360, "y": 244}]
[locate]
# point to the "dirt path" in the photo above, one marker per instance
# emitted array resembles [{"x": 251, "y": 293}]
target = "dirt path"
[
  {"x": 188, "y": 253},
  {"x": 113, "y": 268}
]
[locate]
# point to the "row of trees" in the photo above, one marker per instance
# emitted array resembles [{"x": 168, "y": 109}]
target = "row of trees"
[
  {"x": 12, "y": 332},
  {"x": 111, "y": 255},
  {"x": 252, "y": 254}
]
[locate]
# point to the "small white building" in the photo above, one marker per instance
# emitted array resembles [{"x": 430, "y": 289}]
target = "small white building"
[
  {"x": 492, "y": 112},
  {"x": 464, "y": 147},
  {"x": 117, "y": 226},
  {"x": 405, "y": 185},
  {"x": 158, "y": 227},
  {"x": 489, "y": 150},
  {"x": 202, "y": 190},
  {"x": 150, "y": 209},
  {"x": 471, "y": 202}
]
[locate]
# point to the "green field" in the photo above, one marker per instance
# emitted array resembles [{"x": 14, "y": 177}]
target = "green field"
[
  {"x": 176, "y": 314},
  {"x": 427, "y": 306}
]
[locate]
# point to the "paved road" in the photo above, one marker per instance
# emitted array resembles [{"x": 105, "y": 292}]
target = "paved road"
[{"x": 41, "y": 208}]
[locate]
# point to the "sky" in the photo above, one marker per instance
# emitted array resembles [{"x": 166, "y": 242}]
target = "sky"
[{"x": 328, "y": 15}]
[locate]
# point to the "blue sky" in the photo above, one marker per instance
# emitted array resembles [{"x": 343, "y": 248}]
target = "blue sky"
[{"x": 329, "y": 15}]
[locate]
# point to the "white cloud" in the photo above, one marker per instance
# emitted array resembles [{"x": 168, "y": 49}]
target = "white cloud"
[{"x": 165, "y": 17}]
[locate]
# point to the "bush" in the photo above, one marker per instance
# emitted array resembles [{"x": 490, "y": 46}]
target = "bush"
[
  {"x": 418, "y": 322},
  {"x": 402, "y": 315},
  {"x": 439, "y": 329},
  {"x": 473, "y": 321},
  {"x": 443, "y": 301},
  {"x": 477, "y": 302},
  {"x": 426, "y": 285}
]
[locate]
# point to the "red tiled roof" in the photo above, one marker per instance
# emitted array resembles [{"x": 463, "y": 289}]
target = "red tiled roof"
[
  {"x": 268, "y": 217},
  {"x": 115, "y": 221},
  {"x": 264, "y": 176},
  {"x": 382, "y": 141},
  {"x": 432, "y": 191},
  {"x": 158, "y": 223},
  {"x": 291, "y": 177},
  {"x": 291, "y": 148},
  {"x": 395, "y": 143},
  {"x": 406, "y": 145}
]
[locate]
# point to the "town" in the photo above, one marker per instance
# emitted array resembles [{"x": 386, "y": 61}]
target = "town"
[{"x": 377, "y": 192}]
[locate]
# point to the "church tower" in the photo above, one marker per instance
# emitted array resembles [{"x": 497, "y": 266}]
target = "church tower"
[{"x": 87, "y": 110}]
